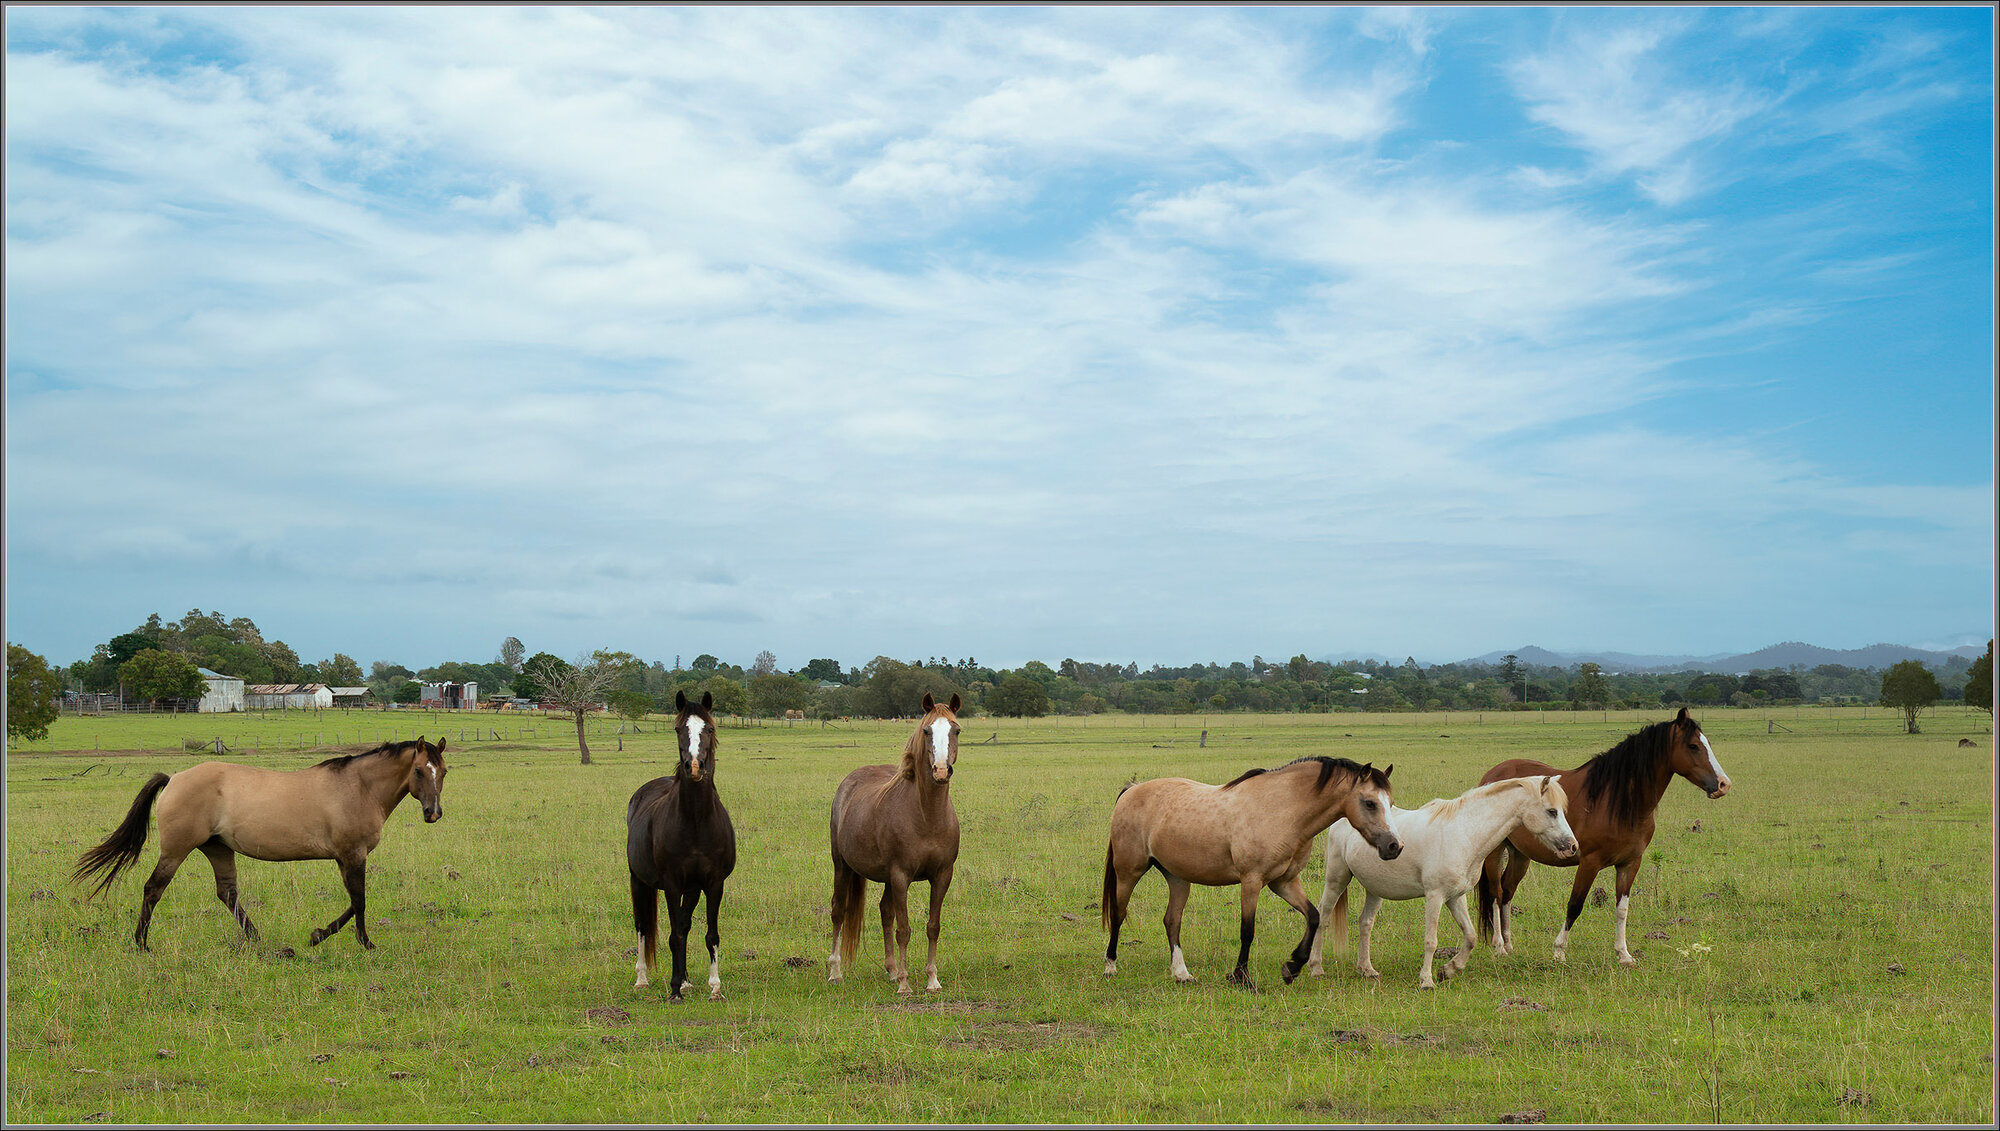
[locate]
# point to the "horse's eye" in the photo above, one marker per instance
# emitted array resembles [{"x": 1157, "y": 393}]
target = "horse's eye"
[
  {"x": 1368, "y": 805},
  {"x": 1552, "y": 812}
]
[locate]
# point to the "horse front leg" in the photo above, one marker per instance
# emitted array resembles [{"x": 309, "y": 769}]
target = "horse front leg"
[
  {"x": 1586, "y": 874},
  {"x": 1294, "y": 893},
  {"x": 353, "y": 874},
  {"x": 1177, "y": 897},
  {"x": 680, "y": 908},
  {"x": 714, "y": 941},
  {"x": 223, "y": 860},
  {"x": 896, "y": 929},
  {"x": 1370, "y": 907},
  {"x": 1433, "y": 904},
  {"x": 1510, "y": 882},
  {"x": 1247, "y": 932},
  {"x": 940, "y": 884},
  {"x": 1627, "y": 872}
]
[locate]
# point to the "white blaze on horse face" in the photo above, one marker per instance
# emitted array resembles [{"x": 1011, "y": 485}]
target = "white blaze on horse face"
[
  {"x": 695, "y": 724},
  {"x": 1720, "y": 777},
  {"x": 940, "y": 745}
]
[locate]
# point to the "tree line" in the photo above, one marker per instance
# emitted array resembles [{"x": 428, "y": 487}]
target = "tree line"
[{"x": 157, "y": 661}]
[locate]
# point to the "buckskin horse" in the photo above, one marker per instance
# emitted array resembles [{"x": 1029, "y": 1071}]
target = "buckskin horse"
[
  {"x": 896, "y": 825},
  {"x": 1256, "y": 831},
  {"x": 1612, "y": 799},
  {"x": 332, "y": 811},
  {"x": 1445, "y": 844},
  {"x": 678, "y": 840}
]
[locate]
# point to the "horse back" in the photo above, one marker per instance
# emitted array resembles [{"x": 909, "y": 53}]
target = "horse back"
[
  {"x": 672, "y": 848},
  {"x": 263, "y": 813},
  {"x": 877, "y": 824},
  {"x": 1194, "y": 830}
]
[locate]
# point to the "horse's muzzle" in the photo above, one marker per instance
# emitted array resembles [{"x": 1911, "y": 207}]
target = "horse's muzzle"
[
  {"x": 1721, "y": 788},
  {"x": 1565, "y": 849},
  {"x": 1390, "y": 849},
  {"x": 433, "y": 813}
]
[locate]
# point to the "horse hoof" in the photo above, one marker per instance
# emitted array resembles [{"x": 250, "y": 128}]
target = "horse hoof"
[
  {"x": 833, "y": 978},
  {"x": 1288, "y": 972},
  {"x": 1316, "y": 971},
  {"x": 1371, "y": 973},
  {"x": 674, "y": 998},
  {"x": 1110, "y": 968},
  {"x": 1628, "y": 960},
  {"x": 316, "y": 938},
  {"x": 903, "y": 987},
  {"x": 1427, "y": 985},
  {"x": 717, "y": 995}
]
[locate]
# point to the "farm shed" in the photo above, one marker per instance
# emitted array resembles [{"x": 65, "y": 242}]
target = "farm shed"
[
  {"x": 350, "y": 696},
  {"x": 449, "y": 696},
  {"x": 285, "y": 695},
  {"x": 223, "y": 694}
]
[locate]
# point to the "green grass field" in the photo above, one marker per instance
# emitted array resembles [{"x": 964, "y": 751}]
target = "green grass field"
[{"x": 1843, "y": 892}]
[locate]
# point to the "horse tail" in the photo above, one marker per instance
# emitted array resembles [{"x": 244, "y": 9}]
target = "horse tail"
[
  {"x": 1338, "y": 926},
  {"x": 849, "y": 889},
  {"x": 1489, "y": 892},
  {"x": 646, "y": 921},
  {"x": 1110, "y": 890},
  {"x": 122, "y": 847}
]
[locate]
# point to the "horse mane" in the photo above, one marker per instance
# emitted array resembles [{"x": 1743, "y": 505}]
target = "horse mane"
[
  {"x": 1326, "y": 768},
  {"x": 342, "y": 761},
  {"x": 1625, "y": 773},
  {"x": 1444, "y": 808}
]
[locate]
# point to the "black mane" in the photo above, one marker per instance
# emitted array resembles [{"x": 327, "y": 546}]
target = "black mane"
[
  {"x": 1326, "y": 768},
  {"x": 341, "y": 761},
  {"x": 1627, "y": 772}
]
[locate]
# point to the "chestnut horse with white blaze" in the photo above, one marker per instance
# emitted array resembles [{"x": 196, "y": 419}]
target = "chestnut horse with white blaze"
[
  {"x": 896, "y": 825},
  {"x": 1256, "y": 831},
  {"x": 1611, "y": 802},
  {"x": 332, "y": 811},
  {"x": 1445, "y": 843}
]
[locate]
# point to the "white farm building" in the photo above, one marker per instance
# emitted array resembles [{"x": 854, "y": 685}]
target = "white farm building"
[
  {"x": 223, "y": 694},
  {"x": 282, "y": 695}
]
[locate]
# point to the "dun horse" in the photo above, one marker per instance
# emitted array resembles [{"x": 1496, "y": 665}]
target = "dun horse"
[
  {"x": 678, "y": 840},
  {"x": 896, "y": 825},
  {"x": 1256, "y": 831},
  {"x": 1612, "y": 799},
  {"x": 1445, "y": 844},
  {"x": 332, "y": 811}
]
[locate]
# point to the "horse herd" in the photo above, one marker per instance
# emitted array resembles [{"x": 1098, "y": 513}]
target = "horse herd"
[{"x": 895, "y": 825}]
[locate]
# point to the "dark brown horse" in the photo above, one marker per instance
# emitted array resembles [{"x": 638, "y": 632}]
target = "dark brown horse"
[
  {"x": 1611, "y": 802},
  {"x": 332, "y": 811},
  {"x": 678, "y": 840},
  {"x": 896, "y": 825},
  {"x": 1258, "y": 830}
]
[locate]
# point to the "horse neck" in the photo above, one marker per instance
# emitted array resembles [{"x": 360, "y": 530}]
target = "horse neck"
[
  {"x": 1496, "y": 814},
  {"x": 694, "y": 797},
  {"x": 389, "y": 782},
  {"x": 1290, "y": 793}
]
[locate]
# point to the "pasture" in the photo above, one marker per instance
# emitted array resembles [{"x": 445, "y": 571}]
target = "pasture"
[{"x": 1818, "y": 950}]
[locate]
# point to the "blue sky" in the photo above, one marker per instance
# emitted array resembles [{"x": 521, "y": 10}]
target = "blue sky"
[{"x": 1127, "y": 334}]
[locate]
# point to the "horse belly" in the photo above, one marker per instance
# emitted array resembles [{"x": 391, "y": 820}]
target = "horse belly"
[{"x": 1386, "y": 879}]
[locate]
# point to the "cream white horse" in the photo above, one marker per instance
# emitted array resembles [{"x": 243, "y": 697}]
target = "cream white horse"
[{"x": 1445, "y": 843}]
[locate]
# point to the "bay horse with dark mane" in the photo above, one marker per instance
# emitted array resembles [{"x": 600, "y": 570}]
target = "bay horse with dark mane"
[
  {"x": 896, "y": 825},
  {"x": 332, "y": 811},
  {"x": 1256, "y": 831},
  {"x": 1611, "y": 802},
  {"x": 678, "y": 840}
]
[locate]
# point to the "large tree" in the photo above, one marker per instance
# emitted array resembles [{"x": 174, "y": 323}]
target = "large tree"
[
  {"x": 1018, "y": 695},
  {"x": 576, "y": 689},
  {"x": 154, "y": 675},
  {"x": 1911, "y": 687},
  {"x": 341, "y": 671},
  {"x": 33, "y": 694},
  {"x": 1979, "y": 681}
]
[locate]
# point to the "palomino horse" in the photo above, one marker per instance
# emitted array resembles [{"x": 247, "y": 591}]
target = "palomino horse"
[
  {"x": 332, "y": 811},
  {"x": 896, "y": 825},
  {"x": 1257, "y": 830},
  {"x": 1612, "y": 798},
  {"x": 1444, "y": 845},
  {"x": 678, "y": 840}
]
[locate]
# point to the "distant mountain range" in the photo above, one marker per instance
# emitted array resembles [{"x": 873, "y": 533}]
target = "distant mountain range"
[{"x": 1776, "y": 656}]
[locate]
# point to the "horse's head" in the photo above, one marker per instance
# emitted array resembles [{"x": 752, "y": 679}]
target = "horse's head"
[
  {"x": 1545, "y": 815},
  {"x": 1368, "y": 810},
  {"x": 1693, "y": 758},
  {"x": 426, "y": 777},
  {"x": 694, "y": 730},
  {"x": 937, "y": 737}
]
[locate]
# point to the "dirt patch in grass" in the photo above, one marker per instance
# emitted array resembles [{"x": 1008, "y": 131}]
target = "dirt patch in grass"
[
  {"x": 945, "y": 1007},
  {"x": 1014, "y": 1035},
  {"x": 608, "y": 1015}
]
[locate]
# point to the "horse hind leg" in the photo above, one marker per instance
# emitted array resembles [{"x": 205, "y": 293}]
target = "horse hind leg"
[
  {"x": 223, "y": 860},
  {"x": 156, "y": 886},
  {"x": 850, "y": 890},
  {"x": 1463, "y": 914},
  {"x": 1331, "y": 896},
  {"x": 896, "y": 913},
  {"x": 1586, "y": 875},
  {"x": 1365, "y": 935},
  {"x": 940, "y": 884},
  {"x": 1627, "y": 872},
  {"x": 646, "y": 924}
]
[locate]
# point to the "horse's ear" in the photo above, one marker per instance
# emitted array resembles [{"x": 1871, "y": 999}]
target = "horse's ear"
[
  {"x": 954, "y": 702},
  {"x": 680, "y": 700},
  {"x": 929, "y": 703},
  {"x": 439, "y": 748},
  {"x": 1390, "y": 770},
  {"x": 708, "y": 700},
  {"x": 1683, "y": 716}
]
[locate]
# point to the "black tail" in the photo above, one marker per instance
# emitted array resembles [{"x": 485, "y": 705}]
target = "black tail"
[
  {"x": 646, "y": 921},
  {"x": 122, "y": 847}
]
